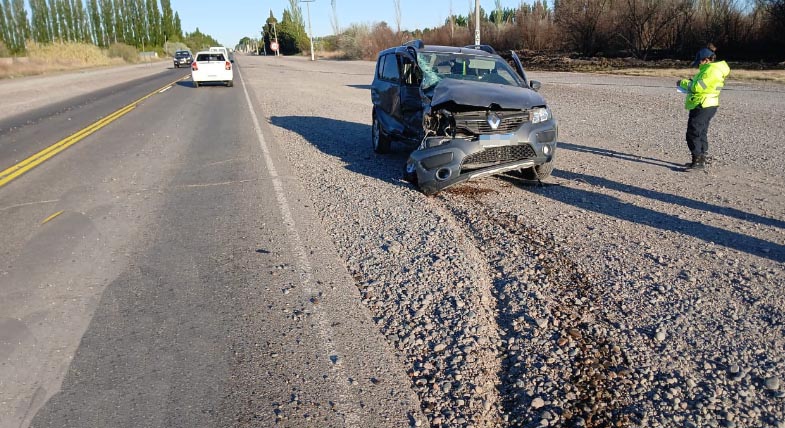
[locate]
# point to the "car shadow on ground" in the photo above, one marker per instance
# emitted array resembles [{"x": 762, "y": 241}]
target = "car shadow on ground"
[
  {"x": 189, "y": 84},
  {"x": 363, "y": 87},
  {"x": 350, "y": 142},
  {"x": 616, "y": 208},
  {"x": 620, "y": 155}
]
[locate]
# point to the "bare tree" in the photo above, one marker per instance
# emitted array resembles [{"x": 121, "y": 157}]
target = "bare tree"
[
  {"x": 452, "y": 24},
  {"x": 397, "y": 4},
  {"x": 647, "y": 23},
  {"x": 584, "y": 23},
  {"x": 334, "y": 19}
]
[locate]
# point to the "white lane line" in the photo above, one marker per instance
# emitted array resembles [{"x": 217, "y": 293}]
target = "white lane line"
[
  {"x": 165, "y": 89},
  {"x": 27, "y": 204},
  {"x": 339, "y": 378}
]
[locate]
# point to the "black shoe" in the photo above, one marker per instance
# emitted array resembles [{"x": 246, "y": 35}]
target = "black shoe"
[{"x": 698, "y": 163}]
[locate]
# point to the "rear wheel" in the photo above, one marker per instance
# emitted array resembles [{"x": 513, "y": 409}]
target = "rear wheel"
[
  {"x": 381, "y": 143},
  {"x": 230, "y": 83},
  {"x": 538, "y": 172},
  {"x": 196, "y": 84}
]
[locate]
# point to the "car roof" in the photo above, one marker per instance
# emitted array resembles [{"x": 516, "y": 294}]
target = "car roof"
[{"x": 440, "y": 49}]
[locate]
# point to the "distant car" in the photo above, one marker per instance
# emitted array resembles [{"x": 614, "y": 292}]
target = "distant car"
[
  {"x": 225, "y": 51},
  {"x": 182, "y": 58},
  {"x": 211, "y": 67}
]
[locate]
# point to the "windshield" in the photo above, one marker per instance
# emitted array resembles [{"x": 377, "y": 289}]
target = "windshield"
[
  {"x": 182, "y": 54},
  {"x": 210, "y": 57},
  {"x": 436, "y": 66}
]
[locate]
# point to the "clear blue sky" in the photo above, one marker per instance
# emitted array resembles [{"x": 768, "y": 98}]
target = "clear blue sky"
[{"x": 231, "y": 20}]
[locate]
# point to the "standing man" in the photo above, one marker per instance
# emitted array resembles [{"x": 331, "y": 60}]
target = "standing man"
[{"x": 703, "y": 98}]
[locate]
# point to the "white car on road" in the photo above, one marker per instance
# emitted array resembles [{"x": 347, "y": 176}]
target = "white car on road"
[{"x": 212, "y": 67}]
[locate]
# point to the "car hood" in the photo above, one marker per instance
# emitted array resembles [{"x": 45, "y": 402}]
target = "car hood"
[{"x": 468, "y": 94}]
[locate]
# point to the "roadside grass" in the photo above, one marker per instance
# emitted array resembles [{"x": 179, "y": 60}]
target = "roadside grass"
[
  {"x": 680, "y": 69},
  {"x": 773, "y": 76},
  {"x": 65, "y": 56}
]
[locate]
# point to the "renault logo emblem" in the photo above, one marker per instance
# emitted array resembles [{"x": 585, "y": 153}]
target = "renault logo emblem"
[{"x": 494, "y": 120}]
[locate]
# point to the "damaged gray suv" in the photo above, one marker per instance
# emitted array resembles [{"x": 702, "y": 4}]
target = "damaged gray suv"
[{"x": 465, "y": 110}]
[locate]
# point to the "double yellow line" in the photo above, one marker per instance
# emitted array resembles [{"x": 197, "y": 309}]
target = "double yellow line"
[{"x": 11, "y": 173}]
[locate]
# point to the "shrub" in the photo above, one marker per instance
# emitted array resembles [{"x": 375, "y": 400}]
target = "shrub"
[
  {"x": 70, "y": 53},
  {"x": 126, "y": 52},
  {"x": 171, "y": 47},
  {"x": 4, "y": 52}
]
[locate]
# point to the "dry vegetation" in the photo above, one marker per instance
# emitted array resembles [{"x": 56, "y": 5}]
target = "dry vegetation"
[{"x": 63, "y": 56}]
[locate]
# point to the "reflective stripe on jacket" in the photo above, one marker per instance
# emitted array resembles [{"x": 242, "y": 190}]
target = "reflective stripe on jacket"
[{"x": 704, "y": 89}]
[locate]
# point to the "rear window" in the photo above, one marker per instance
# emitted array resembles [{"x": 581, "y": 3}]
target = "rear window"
[{"x": 213, "y": 56}]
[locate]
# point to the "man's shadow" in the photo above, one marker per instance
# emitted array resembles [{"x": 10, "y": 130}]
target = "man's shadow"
[{"x": 621, "y": 155}]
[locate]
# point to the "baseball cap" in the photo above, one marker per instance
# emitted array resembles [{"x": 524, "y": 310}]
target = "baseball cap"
[{"x": 701, "y": 55}]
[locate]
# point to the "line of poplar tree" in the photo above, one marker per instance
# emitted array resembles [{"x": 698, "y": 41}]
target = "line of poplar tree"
[{"x": 139, "y": 23}]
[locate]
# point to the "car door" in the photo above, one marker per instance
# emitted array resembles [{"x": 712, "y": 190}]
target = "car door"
[
  {"x": 519, "y": 67},
  {"x": 410, "y": 93},
  {"x": 386, "y": 94}
]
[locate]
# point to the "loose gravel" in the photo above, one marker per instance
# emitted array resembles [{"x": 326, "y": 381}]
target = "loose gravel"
[{"x": 622, "y": 291}]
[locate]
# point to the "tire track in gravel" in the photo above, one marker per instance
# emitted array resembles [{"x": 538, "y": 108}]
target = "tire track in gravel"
[{"x": 560, "y": 363}]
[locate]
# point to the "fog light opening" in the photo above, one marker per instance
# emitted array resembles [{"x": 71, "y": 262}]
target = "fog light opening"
[
  {"x": 443, "y": 174},
  {"x": 546, "y": 150}
]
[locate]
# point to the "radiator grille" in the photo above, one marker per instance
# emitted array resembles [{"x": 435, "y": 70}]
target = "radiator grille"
[
  {"x": 502, "y": 154},
  {"x": 476, "y": 122}
]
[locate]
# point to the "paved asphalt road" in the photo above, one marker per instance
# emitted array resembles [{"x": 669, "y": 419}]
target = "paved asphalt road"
[{"x": 163, "y": 272}]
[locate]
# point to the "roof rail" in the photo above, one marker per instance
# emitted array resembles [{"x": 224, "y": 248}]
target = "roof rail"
[
  {"x": 416, "y": 43},
  {"x": 486, "y": 48}
]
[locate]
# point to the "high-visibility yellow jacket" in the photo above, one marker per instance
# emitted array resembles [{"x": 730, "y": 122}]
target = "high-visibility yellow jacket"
[{"x": 704, "y": 89}]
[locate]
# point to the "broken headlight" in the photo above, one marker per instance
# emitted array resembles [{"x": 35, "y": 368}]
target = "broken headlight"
[{"x": 539, "y": 114}]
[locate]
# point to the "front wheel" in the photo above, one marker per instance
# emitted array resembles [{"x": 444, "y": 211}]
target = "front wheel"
[
  {"x": 381, "y": 143},
  {"x": 538, "y": 172}
]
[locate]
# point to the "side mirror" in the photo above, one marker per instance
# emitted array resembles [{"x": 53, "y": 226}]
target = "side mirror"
[
  {"x": 535, "y": 85},
  {"x": 232, "y": 61}
]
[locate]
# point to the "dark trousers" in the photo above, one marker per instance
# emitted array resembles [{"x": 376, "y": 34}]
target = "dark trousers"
[{"x": 698, "y": 129}]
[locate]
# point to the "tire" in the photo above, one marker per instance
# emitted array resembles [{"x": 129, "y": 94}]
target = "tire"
[
  {"x": 380, "y": 142},
  {"x": 196, "y": 84},
  {"x": 538, "y": 172},
  {"x": 176, "y": 66},
  {"x": 230, "y": 83}
]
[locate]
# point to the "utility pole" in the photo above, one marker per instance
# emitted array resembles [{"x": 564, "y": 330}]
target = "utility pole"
[
  {"x": 277, "y": 51},
  {"x": 310, "y": 33},
  {"x": 476, "y": 22}
]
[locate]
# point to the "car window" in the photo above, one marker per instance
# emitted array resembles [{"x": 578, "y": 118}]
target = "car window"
[
  {"x": 410, "y": 74},
  {"x": 436, "y": 66},
  {"x": 380, "y": 66},
  {"x": 390, "y": 70},
  {"x": 215, "y": 56}
]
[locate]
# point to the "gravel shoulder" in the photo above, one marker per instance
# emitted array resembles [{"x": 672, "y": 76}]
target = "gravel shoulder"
[
  {"x": 29, "y": 93},
  {"x": 622, "y": 291}
]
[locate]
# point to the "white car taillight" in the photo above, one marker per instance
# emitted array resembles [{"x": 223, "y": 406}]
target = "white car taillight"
[
  {"x": 194, "y": 67},
  {"x": 228, "y": 65}
]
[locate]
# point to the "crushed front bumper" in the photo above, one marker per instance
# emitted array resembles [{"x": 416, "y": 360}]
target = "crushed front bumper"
[{"x": 448, "y": 162}]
